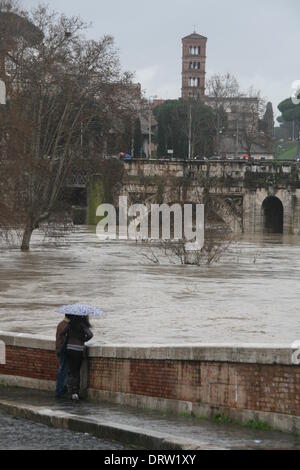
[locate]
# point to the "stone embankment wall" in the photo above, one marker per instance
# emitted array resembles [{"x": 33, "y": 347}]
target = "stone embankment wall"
[{"x": 244, "y": 382}]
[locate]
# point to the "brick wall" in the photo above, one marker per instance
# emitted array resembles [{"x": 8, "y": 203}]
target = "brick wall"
[
  {"x": 271, "y": 388},
  {"x": 178, "y": 380},
  {"x": 32, "y": 363},
  {"x": 255, "y": 378}
]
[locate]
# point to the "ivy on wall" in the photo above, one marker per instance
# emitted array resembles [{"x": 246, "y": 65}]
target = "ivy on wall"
[{"x": 104, "y": 187}]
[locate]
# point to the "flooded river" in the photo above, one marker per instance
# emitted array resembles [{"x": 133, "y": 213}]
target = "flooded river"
[{"x": 252, "y": 295}]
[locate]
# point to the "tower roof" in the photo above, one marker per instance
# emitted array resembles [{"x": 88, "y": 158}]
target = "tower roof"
[{"x": 194, "y": 36}]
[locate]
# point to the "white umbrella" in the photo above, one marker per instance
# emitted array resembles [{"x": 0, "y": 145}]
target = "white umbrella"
[{"x": 80, "y": 310}]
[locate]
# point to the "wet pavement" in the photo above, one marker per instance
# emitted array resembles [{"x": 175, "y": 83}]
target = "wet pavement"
[
  {"x": 204, "y": 432},
  {"x": 21, "y": 434}
]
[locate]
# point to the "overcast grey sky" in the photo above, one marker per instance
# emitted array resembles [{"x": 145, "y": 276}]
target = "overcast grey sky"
[{"x": 257, "y": 40}]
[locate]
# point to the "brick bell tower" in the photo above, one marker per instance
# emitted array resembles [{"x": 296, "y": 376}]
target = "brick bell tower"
[{"x": 193, "y": 66}]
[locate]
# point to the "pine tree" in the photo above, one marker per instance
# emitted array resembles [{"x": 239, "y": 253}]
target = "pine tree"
[{"x": 268, "y": 120}]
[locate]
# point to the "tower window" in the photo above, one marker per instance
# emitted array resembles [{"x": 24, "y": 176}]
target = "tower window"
[
  {"x": 194, "y": 81},
  {"x": 195, "y": 50},
  {"x": 194, "y": 65}
]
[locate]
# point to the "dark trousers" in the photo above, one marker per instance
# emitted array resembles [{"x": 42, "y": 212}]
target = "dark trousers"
[
  {"x": 74, "y": 359},
  {"x": 62, "y": 375}
]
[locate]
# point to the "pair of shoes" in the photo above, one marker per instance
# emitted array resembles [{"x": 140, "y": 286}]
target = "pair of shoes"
[{"x": 75, "y": 397}]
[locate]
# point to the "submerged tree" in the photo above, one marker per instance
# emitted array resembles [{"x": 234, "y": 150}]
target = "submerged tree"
[{"x": 61, "y": 89}]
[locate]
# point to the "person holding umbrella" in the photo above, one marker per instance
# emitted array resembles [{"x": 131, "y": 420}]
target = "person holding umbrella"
[
  {"x": 62, "y": 333},
  {"x": 78, "y": 333}
]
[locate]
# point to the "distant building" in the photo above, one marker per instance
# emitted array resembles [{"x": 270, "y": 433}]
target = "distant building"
[
  {"x": 242, "y": 111},
  {"x": 193, "y": 66},
  {"x": 243, "y": 125},
  {"x": 157, "y": 102}
]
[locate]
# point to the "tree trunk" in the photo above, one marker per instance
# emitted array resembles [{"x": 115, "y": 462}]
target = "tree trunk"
[{"x": 27, "y": 237}]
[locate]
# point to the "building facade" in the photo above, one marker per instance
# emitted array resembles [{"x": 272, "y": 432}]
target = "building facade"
[{"x": 193, "y": 66}]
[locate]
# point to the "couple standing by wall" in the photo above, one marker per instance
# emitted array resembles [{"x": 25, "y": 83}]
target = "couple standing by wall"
[{"x": 71, "y": 335}]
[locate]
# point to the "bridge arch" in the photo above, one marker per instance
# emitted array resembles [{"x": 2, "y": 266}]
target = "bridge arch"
[{"x": 272, "y": 213}]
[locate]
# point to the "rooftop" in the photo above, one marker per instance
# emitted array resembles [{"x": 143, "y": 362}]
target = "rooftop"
[{"x": 194, "y": 35}]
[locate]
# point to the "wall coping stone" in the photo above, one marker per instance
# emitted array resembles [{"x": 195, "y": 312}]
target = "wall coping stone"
[
  {"x": 234, "y": 353},
  {"x": 27, "y": 341},
  {"x": 251, "y": 353}
]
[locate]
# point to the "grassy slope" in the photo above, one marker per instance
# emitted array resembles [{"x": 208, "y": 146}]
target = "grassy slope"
[{"x": 288, "y": 151}]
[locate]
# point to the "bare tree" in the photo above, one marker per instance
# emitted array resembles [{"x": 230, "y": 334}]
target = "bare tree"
[
  {"x": 175, "y": 251},
  {"x": 250, "y": 116},
  {"x": 61, "y": 87},
  {"x": 221, "y": 91}
]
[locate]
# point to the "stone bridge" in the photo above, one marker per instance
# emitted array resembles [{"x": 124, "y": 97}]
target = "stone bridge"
[{"x": 251, "y": 197}]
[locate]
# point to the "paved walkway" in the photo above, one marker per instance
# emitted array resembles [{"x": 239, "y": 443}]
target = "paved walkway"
[
  {"x": 135, "y": 428},
  {"x": 22, "y": 434}
]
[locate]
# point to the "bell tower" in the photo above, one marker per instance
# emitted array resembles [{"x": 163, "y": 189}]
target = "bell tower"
[{"x": 193, "y": 66}]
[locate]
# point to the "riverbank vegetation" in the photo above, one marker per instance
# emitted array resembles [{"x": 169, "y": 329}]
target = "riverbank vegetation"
[{"x": 65, "y": 95}]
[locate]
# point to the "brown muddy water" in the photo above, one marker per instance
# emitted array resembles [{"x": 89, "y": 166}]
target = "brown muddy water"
[{"x": 252, "y": 295}]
